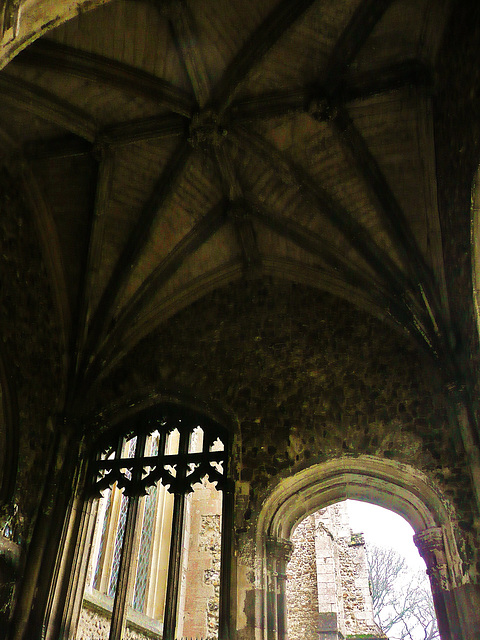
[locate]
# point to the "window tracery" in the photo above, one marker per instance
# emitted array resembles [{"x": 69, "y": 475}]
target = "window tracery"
[{"x": 145, "y": 477}]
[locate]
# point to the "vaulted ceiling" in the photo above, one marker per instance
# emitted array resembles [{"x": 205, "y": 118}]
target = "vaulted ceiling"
[{"x": 169, "y": 147}]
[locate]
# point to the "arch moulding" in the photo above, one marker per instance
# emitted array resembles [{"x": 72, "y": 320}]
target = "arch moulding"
[{"x": 393, "y": 485}]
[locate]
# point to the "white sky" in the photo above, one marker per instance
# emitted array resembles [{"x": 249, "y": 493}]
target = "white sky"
[{"x": 384, "y": 528}]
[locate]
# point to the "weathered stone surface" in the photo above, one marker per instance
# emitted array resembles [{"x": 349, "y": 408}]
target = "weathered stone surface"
[
  {"x": 307, "y": 377},
  {"x": 327, "y": 588},
  {"x": 31, "y": 344}
]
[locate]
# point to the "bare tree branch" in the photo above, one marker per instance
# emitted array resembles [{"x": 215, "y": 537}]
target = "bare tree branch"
[{"x": 402, "y": 600}]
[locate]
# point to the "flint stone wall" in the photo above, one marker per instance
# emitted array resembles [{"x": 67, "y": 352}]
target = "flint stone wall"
[{"x": 328, "y": 590}]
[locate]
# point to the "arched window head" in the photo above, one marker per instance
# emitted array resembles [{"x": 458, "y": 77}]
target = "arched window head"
[
  {"x": 162, "y": 480},
  {"x": 172, "y": 450}
]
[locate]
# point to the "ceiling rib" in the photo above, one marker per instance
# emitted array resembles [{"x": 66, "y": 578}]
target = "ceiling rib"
[
  {"x": 393, "y": 217},
  {"x": 183, "y": 27},
  {"x": 285, "y": 13},
  {"x": 354, "y": 36},
  {"x": 152, "y": 128},
  {"x": 358, "y": 87},
  {"x": 357, "y": 236},
  {"x": 135, "y": 244},
  {"x": 198, "y": 235},
  {"x": 31, "y": 98},
  {"x": 337, "y": 286},
  {"x": 270, "y": 105},
  {"x": 367, "y": 288},
  {"x": 392, "y": 214},
  {"x": 96, "y": 68},
  {"x": 394, "y": 76},
  {"x": 95, "y": 246},
  {"x": 123, "y": 133},
  {"x": 67, "y": 146},
  {"x": 244, "y": 229},
  {"x": 310, "y": 241},
  {"x": 51, "y": 247}
]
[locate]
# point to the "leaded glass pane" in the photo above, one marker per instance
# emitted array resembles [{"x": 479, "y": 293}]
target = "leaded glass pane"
[
  {"x": 118, "y": 547},
  {"x": 145, "y": 550},
  {"x": 144, "y": 556}
]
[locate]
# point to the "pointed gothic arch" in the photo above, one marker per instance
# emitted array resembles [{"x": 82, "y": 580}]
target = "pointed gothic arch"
[{"x": 386, "y": 483}]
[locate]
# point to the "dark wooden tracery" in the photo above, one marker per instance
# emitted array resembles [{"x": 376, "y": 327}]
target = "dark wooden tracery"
[{"x": 178, "y": 472}]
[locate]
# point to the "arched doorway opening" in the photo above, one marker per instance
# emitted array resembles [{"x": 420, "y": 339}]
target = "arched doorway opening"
[
  {"x": 395, "y": 486},
  {"x": 355, "y": 571}
]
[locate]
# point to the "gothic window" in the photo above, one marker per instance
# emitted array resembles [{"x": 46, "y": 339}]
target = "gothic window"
[{"x": 157, "y": 547}]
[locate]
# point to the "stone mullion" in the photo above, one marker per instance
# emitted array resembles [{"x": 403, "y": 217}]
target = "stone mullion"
[
  {"x": 174, "y": 568},
  {"x": 175, "y": 560},
  {"x": 117, "y": 625},
  {"x": 136, "y": 549}
]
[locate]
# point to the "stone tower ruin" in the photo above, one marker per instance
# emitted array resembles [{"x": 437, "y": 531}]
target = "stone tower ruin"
[{"x": 328, "y": 592}]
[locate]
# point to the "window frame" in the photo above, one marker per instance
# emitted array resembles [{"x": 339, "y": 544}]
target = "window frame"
[{"x": 143, "y": 423}]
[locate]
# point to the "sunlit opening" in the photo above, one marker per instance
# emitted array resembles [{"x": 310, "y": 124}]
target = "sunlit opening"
[{"x": 355, "y": 571}]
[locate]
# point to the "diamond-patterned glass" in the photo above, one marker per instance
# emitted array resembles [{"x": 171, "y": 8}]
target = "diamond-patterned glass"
[{"x": 146, "y": 541}]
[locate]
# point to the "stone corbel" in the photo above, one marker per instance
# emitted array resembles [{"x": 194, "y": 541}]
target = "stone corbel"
[{"x": 279, "y": 548}]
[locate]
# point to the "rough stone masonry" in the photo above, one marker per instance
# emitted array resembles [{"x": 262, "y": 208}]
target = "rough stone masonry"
[{"x": 328, "y": 593}]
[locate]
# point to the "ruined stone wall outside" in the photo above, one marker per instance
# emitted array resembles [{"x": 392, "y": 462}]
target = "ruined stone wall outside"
[
  {"x": 202, "y": 583},
  {"x": 357, "y": 601},
  {"x": 302, "y": 594},
  {"x": 327, "y": 575}
]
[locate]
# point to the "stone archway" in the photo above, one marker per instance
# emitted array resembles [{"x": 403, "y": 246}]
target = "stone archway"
[{"x": 395, "y": 486}]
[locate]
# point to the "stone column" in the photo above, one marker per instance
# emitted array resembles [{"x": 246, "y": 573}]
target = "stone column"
[
  {"x": 278, "y": 554},
  {"x": 431, "y": 546}
]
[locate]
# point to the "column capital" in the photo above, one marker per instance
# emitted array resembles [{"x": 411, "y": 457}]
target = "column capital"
[
  {"x": 280, "y": 548},
  {"x": 431, "y": 546},
  {"x": 428, "y": 540}
]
